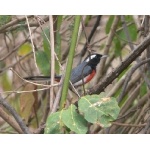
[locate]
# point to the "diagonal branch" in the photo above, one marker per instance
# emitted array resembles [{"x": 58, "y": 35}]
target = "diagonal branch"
[
  {"x": 116, "y": 72},
  {"x": 15, "y": 115},
  {"x": 91, "y": 35},
  {"x": 10, "y": 120}
]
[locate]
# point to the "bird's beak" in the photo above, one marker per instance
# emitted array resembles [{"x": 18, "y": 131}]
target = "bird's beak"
[{"x": 104, "y": 56}]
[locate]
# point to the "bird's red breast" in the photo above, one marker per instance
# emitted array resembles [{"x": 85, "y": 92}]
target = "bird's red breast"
[{"x": 90, "y": 76}]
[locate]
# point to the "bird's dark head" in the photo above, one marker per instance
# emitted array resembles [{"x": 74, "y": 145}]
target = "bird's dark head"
[{"x": 94, "y": 59}]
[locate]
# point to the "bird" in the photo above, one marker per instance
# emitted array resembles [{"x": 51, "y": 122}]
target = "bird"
[{"x": 81, "y": 74}]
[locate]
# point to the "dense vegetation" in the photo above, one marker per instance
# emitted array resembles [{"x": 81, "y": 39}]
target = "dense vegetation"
[{"x": 115, "y": 101}]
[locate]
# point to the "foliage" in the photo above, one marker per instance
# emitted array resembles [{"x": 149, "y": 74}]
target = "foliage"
[
  {"x": 101, "y": 113},
  {"x": 4, "y": 19},
  {"x": 96, "y": 109}
]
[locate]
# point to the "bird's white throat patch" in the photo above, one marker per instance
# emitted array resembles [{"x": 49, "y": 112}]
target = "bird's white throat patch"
[{"x": 90, "y": 57}]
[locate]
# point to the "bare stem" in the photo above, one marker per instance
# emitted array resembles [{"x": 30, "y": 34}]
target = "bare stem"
[{"x": 52, "y": 60}]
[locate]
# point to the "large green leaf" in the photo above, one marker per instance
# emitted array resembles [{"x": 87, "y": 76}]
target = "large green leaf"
[
  {"x": 132, "y": 29},
  {"x": 74, "y": 121},
  {"x": 43, "y": 62},
  {"x": 54, "y": 124},
  {"x": 99, "y": 109}
]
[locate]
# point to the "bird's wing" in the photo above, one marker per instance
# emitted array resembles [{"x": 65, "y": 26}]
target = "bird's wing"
[{"x": 80, "y": 72}]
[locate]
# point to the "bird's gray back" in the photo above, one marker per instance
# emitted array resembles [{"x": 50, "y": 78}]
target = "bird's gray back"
[{"x": 82, "y": 71}]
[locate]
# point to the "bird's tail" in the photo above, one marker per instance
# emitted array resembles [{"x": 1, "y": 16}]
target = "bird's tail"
[{"x": 42, "y": 78}]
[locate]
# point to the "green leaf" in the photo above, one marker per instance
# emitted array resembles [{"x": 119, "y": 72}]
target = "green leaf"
[
  {"x": 99, "y": 109},
  {"x": 54, "y": 124},
  {"x": 46, "y": 45},
  {"x": 109, "y": 24},
  {"x": 43, "y": 62},
  {"x": 132, "y": 29},
  {"x": 133, "y": 32},
  {"x": 117, "y": 46},
  {"x": 5, "y": 82},
  {"x": 58, "y": 44},
  {"x": 88, "y": 18},
  {"x": 24, "y": 49},
  {"x": 74, "y": 121}
]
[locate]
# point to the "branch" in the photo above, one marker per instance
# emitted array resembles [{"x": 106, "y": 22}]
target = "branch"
[
  {"x": 10, "y": 24},
  {"x": 91, "y": 35},
  {"x": 115, "y": 73},
  {"x": 15, "y": 115},
  {"x": 10, "y": 120}
]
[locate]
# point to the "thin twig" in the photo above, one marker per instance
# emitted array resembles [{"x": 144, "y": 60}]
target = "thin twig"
[
  {"x": 18, "y": 92},
  {"x": 52, "y": 60},
  {"x": 50, "y": 43},
  {"x": 33, "y": 48},
  {"x": 57, "y": 99},
  {"x": 76, "y": 92},
  {"x": 32, "y": 82}
]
